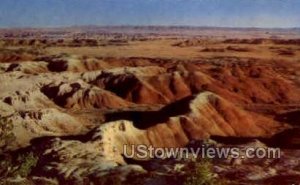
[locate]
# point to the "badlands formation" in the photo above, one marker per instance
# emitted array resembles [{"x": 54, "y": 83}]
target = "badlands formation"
[{"x": 73, "y": 104}]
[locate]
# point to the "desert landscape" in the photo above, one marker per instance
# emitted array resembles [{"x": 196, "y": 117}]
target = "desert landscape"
[{"x": 72, "y": 97}]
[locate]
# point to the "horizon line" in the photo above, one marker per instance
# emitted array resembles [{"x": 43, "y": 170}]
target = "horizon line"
[{"x": 142, "y": 25}]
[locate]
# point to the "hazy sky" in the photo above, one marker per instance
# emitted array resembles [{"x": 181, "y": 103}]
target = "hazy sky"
[{"x": 225, "y": 13}]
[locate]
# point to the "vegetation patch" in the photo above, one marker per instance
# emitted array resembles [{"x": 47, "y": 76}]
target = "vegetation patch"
[{"x": 203, "y": 174}]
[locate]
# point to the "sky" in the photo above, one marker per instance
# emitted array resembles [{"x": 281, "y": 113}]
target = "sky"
[{"x": 220, "y": 13}]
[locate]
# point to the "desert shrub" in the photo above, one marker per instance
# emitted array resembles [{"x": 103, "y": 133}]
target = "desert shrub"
[
  {"x": 25, "y": 163},
  {"x": 20, "y": 165},
  {"x": 6, "y": 133},
  {"x": 203, "y": 174}
]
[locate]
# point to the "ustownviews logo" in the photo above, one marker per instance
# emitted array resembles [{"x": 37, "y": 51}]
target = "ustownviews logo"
[{"x": 148, "y": 151}]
